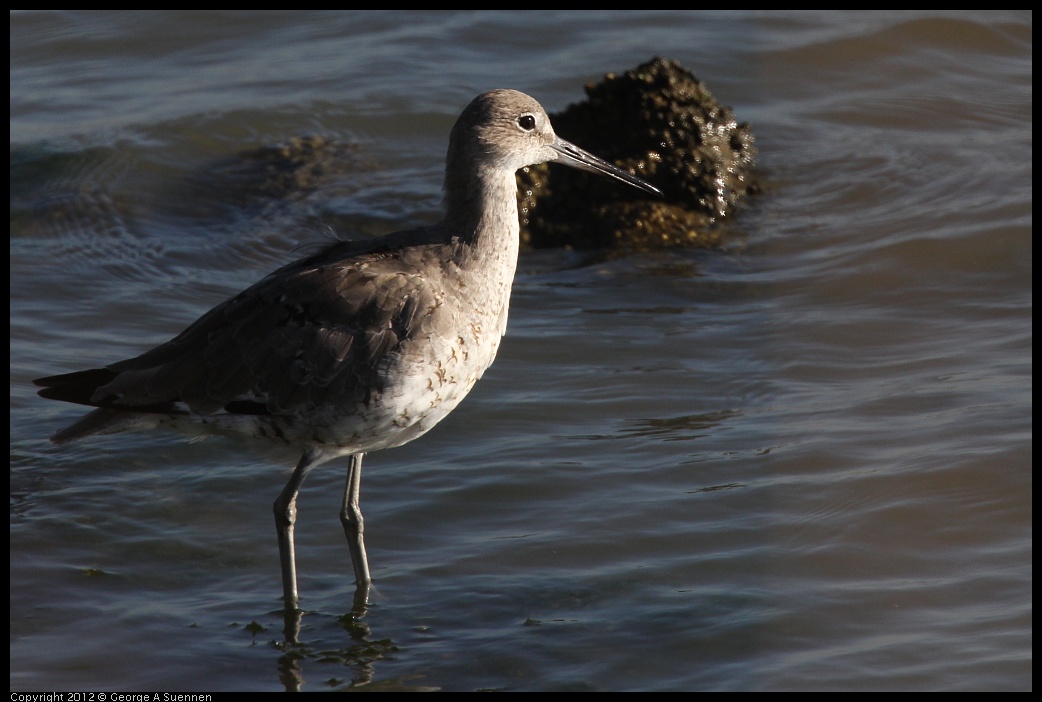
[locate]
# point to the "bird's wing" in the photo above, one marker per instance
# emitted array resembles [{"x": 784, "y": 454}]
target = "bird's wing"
[{"x": 313, "y": 334}]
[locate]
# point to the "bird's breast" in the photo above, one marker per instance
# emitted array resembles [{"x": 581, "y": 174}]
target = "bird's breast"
[{"x": 451, "y": 338}]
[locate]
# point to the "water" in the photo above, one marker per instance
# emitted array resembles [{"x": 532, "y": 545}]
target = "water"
[{"x": 801, "y": 462}]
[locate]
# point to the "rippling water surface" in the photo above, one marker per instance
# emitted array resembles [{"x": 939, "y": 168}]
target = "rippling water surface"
[{"x": 799, "y": 462}]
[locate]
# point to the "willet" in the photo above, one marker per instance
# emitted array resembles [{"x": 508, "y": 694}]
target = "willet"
[{"x": 362, "y": 346}]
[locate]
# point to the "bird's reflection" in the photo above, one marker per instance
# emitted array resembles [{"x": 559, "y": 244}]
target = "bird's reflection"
[{"x": 360, "y": 655}]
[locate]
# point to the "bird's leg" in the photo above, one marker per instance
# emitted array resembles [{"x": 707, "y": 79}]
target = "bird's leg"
[
  {"x": 285, "y": 517},
  {"x": 351, "y": 518}
]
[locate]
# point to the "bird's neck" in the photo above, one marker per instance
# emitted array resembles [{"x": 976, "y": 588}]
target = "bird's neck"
[{"x": 481, "y": 211}]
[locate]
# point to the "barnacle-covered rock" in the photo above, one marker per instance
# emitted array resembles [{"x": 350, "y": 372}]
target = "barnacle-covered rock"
[{"x": 661, "y": 123}]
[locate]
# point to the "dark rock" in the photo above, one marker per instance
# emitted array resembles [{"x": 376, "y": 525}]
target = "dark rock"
[{"x": 661, "y": 123}]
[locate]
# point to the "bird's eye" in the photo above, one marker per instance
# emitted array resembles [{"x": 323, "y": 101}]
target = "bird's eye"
[{"x": 526, "y": 122}]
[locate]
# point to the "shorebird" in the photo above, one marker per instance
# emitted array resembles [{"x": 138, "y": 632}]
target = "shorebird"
[{"x": 362, "y": 346}]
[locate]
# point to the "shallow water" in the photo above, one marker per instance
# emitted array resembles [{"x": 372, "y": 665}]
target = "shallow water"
[{"x": 801, "y": 462}]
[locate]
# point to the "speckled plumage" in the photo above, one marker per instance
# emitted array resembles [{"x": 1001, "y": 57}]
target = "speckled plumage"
[{"x": 359, "y": 347}]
